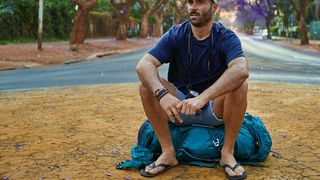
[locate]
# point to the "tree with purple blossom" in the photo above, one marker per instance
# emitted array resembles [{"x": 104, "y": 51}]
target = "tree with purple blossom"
[
  {"x": 246, "y": 18},
  {"x": 265, "y": 9}
]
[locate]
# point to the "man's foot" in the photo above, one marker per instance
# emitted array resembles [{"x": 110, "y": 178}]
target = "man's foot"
[
  {"x": 167, "y": 159},
  {"x": 231, "y": 168}
]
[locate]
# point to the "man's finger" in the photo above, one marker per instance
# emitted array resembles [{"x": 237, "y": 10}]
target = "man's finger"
[
  {"x": 179, "y": 105},
  {"x": 180, "y": 120},
  {"x": 192, "y": 112},
  {"x": 188, "y": 109},
  {"x": 183, "y": 109},
  {"x": 170, "y": 115},
  {"x": 176, "y": 115},
  {"x": 172, "y": 119}
]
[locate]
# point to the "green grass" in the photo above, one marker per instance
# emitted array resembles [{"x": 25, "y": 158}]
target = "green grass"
[
  {"x": 17, "y": 41},
  {"x": 29, "y": 40}
]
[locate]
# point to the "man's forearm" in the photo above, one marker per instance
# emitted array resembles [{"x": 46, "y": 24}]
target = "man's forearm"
[
  {"x": 149, "y": 75},
  {"x": 231, "y": 79}
]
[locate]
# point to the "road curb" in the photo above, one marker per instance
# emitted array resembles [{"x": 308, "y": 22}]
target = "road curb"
[
  {"x": 91, "y": 57},
  {"x": 8, "y": 69},
  {"x": 73, "y": 62},
  {"x": 104, "y": 54},
  {"x": 23, "y": 66}
]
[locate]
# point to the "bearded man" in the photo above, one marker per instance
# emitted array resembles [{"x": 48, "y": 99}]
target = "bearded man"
[{"x": 206, "y": 84}]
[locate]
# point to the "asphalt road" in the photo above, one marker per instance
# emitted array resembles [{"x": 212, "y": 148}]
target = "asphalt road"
[{"x": 268, "y": 62}]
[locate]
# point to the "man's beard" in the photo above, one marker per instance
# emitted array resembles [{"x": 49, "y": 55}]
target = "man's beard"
[{"x": 203, "y": 20}]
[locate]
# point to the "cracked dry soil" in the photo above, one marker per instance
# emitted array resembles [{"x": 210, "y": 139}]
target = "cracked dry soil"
[{"x": 82, "y": 132}]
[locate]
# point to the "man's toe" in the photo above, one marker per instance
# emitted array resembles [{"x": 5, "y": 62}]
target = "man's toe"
[
  {"x": 239, "y": 170},
  {"x": 230, "y": 172},
  {"x": 156, "y": 170},
  {"x": 148, "y": 168}
]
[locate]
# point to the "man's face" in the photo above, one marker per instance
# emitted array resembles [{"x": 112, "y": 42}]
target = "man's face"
[{"x": 200, "y": 11}]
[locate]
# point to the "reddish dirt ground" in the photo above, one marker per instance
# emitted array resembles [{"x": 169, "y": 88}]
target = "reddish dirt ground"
[
  {"x": 82, "y": 132},
  {"x": 313, "y": 46},
  {"x": 53, "y": 53}
]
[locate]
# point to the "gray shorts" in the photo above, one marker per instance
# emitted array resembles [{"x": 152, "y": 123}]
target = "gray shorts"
[{"x": 206, "y": 118}]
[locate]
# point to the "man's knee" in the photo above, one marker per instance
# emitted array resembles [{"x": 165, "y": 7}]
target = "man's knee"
[
  {"x": 239, "y": 95},
  {"x": 143, "y": 90}
]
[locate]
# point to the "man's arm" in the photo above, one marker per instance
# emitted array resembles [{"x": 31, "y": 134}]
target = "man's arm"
[
  {"x": 148, "y": 73},
  {"x": 232, "y": 78},
  {"x": 149, "y": 76}
]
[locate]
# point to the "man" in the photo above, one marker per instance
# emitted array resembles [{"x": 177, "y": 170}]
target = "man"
[{"x": 207, "y": 75}]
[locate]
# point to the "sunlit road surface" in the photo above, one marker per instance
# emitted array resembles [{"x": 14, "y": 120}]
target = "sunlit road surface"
[
  {"x": 268, "y": 62},
  {"x": 271, "y": 62}
]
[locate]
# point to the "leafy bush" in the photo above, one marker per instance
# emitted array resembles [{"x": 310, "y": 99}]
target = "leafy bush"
[
  {"x": 100, "y": 24},
  {"x": 19, "y": 19}
]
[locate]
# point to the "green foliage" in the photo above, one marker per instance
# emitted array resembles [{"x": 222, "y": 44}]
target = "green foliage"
[
  {"x": 16, "y": 41},
  {"x": 314, "y": 29},
  {"x": 310, "y": 13},
  {"x": 19, "y": 19},
  {"x": 135, "y": 12},
  {"x": 102, "y": 6},
  {"x": 152, "y": 20}
]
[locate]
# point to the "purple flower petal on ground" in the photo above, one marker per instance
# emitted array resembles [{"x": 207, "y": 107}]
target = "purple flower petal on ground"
[
  {"x": 19, "y": 146},
  {"x": 109, "y": 174}
]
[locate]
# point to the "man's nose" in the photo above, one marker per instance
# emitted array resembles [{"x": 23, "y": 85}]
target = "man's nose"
[{"x": 192, "y": 6}]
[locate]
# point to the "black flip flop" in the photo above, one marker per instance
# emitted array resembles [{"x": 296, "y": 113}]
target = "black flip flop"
[
  {"x": 153, "y": 165},
  {"x": 237, "y": 177}
]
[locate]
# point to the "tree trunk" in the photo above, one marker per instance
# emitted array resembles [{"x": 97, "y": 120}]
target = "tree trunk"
[
  {"x": 158, "y": 26},
  {"x": 121, "y": 30},
  {"x": 144, "y": 26},
  {"x": 268, "y": 24},
  {"x": 249, "y": 28},
  {"x": 303, "y": 30},
  {"x": 301, "y": 20},
  {"x": 317, "y": 12},
  {"x": 180, "y": 9},
  {"x": 177, "y": 20},
  {"x": 178, "y": 16},
  {"x": 145, "y": 12},
  {"x": 122, "y": 11},
  {"x": 79, "y": 28}
]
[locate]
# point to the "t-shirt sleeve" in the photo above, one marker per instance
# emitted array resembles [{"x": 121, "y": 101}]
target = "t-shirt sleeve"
[
  {"x": 232, "y": 47},
  {"x": 164, "y": 49}
]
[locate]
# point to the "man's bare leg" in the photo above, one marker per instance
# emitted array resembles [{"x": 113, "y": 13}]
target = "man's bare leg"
[
  {"x": 232, "y": 107},
  {"x": 159, "y": 121}
]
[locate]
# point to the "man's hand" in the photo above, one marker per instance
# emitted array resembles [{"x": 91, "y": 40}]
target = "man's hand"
[
  {"x": 190, "y": 106},
  {"x": 169, "y": 104}
]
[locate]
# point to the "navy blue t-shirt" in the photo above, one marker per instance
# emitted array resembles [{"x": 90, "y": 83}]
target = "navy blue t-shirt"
[{"x": 196, "y": 73}]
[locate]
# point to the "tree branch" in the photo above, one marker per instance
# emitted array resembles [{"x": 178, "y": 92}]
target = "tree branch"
[
  {"x": 294, "y": 5},
  {"x": 142, "y": 6},
  {"x": 156, "y": 6}
]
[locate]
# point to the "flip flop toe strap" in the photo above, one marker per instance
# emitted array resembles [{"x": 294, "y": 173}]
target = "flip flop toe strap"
[
  {"x": 227, "y": 166},
  {"x": 162, "y": 165},
  {"x": 235, "y": 166}
]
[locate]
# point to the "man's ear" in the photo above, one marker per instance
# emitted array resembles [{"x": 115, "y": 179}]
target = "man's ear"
[{"x": 215, "y": 7}]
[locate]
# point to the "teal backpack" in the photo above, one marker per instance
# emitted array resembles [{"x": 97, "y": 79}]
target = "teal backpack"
[{"x": 201, "y": 146}]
